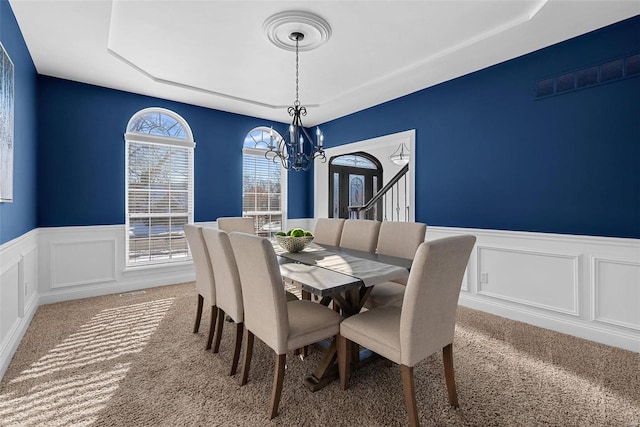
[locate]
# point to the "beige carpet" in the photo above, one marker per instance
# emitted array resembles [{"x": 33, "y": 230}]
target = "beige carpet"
[{"x": 134, "y": 361}]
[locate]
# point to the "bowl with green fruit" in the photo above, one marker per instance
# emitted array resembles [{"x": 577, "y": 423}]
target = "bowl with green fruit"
[{"x": 294, "y": 240}]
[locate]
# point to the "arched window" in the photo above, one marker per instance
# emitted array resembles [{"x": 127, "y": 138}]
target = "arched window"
[
  {"x": 264, "y": 184},
  {"x": 159, "y": 186}
]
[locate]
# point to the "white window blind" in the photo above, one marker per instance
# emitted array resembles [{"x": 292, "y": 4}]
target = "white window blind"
[
  {"x": 263, "y": 186},
  {"x": 159, "y": 187}
]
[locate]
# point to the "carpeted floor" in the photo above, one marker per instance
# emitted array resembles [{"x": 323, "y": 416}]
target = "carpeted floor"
[{"x": 133, "y": 361}]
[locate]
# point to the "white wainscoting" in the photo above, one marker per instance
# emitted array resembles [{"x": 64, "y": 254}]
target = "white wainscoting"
[
  {"x": 584, "y": 286},
  {"x": 18, "y": 292},
  {"x": 80, "y": 262},
  {"x": 580, "y": 285}
]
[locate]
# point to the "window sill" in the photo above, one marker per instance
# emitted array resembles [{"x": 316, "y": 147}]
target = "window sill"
[{"x": 133, "y": 270}]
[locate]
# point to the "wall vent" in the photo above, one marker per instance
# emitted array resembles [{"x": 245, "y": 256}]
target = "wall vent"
[{"x": 617, "y": 69}]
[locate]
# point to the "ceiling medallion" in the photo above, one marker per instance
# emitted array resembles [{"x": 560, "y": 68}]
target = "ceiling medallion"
[{"x": 279, "y": 27}]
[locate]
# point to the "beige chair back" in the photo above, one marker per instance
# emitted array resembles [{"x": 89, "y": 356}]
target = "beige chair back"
[
  {"x": 265, "y": 306},
  {"x": 428, "y": 316},
  {"x": 225, "y": 271},
  {"x": 239, "y": 224},
  {"x": 400, "y": 239},
  {"x": 205, "y": 283},
  {"x": 328, "y": 231},
  {"x": 360, "y": 234}
]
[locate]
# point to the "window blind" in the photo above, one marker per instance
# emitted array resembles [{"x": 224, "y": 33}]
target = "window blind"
[
  {"x": 159, "y": 201},
  {"x": 262, "y": 191}
]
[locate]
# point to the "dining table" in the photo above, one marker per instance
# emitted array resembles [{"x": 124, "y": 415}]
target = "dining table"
[{"x": 343, "y": 276}]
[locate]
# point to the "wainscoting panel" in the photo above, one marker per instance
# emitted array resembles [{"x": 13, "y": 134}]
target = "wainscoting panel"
[
  {"x": 616, "y": 292},
  {"x": 18, "y": 295},
  {"x": 10, "y": 288},
  {"x": 99, "y": 262},
  {"x": 543, "y": 280},
  {"x": 81, "y": 262}
]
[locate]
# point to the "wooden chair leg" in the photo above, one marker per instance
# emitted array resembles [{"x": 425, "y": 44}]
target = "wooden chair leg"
[
  {"x": 248, "y": 352},
  {"x": 408, "y": 387},
  {"x": 198, "y": 313},
  {"x": 212, "y": 326},
  {"x": 236, "y": 351},
  {"x": 216, "y": 344},
  {"x": 344, "y": 347},
  {"x": 447, "y": 358},
  {"x": 278, "y": 379}
]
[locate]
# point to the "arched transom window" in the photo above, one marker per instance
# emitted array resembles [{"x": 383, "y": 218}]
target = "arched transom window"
[
  {"x": 159, "y": 186},
  {"x": 264, "y": 184}
]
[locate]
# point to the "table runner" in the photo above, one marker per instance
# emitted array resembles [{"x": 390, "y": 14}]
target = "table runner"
[{"x": 369, "y": 271}]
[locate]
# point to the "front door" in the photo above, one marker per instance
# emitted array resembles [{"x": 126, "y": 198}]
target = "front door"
[{"x": 353, "y": 180}]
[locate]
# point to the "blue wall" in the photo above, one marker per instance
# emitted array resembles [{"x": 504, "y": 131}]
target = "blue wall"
[
  {"x": 81, "y": 155},
  {"x": 491, "y": 156},
  {"x": 19, "y": 217}
]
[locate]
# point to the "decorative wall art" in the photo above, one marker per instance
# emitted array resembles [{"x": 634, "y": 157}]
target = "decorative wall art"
[{"x": 6, "y": 126}]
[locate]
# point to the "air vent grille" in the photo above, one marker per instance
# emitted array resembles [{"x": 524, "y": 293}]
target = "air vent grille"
[
  {"x": 587, "y": 77},
  {"x": 566, "y": 82},
  {"x": 633, "y": 65},
  {"x": 609, "y": 71},
  {"x": 612, "y": 70},
  {"x": 545, "y": 87}
]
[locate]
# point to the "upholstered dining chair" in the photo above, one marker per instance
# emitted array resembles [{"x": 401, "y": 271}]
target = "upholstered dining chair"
[
  {"x": 397, "y": 239},
  {"x": 328, "y": 231},
  {"x": 240, "y": 224},
  {"x": 360, "y": 234},
  {"x": 424, "y": 324},
  {"x": 243, "y": 225},
  {"x": 228, "y": 291},
  {"x": 205, "y": 282},
  {"x": 282, "y": 325}
]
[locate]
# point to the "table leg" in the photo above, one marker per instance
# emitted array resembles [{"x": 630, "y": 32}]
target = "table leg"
[
  {"x": 326, "y": 371},
  {"x": 350, "y": 303}
]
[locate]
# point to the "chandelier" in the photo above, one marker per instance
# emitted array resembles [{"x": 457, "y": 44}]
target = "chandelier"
[{"x": 299, "y": 152}]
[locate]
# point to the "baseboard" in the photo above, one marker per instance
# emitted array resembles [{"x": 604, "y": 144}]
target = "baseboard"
[{"x": 585, "y": 330}]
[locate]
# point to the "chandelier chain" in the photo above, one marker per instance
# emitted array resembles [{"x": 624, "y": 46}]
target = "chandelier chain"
[{"x": 297, "y": 74}]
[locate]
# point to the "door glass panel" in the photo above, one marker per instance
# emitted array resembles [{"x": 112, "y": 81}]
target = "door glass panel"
[
  {"x": 356, "y": 190},
  {"x": 336, "y": 195},
  {"x": 375, "y": 191},
  {"x": 355, "y": 161}
]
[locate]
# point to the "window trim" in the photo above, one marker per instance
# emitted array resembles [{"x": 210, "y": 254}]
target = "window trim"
[
  {"x": 180, "y": 143},
  {"x": 284, "y": 178}
]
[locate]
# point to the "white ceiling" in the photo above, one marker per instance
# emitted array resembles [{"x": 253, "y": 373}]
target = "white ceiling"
[{"x": 215, "y": 53}]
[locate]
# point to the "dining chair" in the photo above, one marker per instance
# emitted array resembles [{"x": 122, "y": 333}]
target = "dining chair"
[
  {"x": 240, "y": 224},
  {"x": 424, "y": 324},
  {"x": 243, "y": 225},
  {"x": 360, "y": 234},
  {"x": 328, "y": 231},
  {"x": 397, "y": 239},
  {"x": 228, "y": 291},
  {"x": 205, "y": 282},
  {"x": 282, "y": 325}
]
